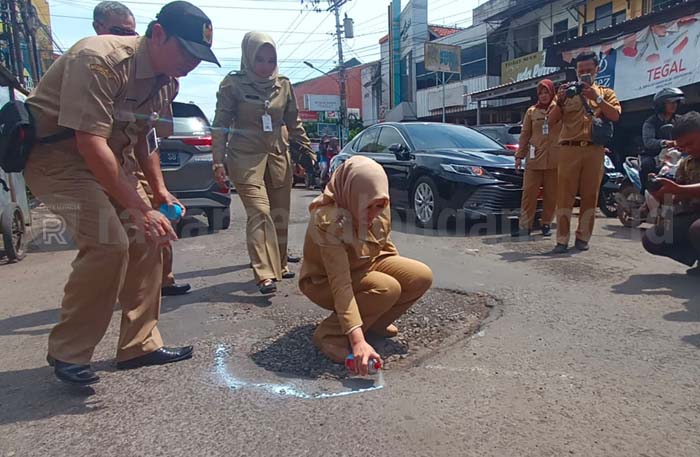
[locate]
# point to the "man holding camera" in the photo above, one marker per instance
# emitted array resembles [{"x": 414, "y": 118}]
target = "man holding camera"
[
  {"x": 580, "y": 159},
  {"x": 679, "y": 238}
]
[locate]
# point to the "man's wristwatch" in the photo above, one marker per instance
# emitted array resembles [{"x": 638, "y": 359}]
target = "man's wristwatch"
[
  {"x": 216, "y": 166},
  {"x": 599, "y": 99}
]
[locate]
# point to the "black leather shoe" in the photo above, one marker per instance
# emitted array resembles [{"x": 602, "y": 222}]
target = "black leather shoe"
[
  {"x": 293, "y": 259},
  {"x": 77, "y": 375},
  {"x": 560, "y": 249},
  {"x": 546, "y": 231},
  {"x": 581, "y": 245},
  {"x": 521, "y": 233},
  {"x": 175, "y": 289},
  {"x": 158, "y": 357}
]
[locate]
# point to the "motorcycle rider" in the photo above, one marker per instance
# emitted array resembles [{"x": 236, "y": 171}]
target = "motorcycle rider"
[
  {"x": 680, "y": 240},
  {"x": 666, "y": 103}
]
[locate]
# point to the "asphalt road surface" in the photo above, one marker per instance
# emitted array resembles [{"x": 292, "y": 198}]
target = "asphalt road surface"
[{"x": 592, "y": 354}]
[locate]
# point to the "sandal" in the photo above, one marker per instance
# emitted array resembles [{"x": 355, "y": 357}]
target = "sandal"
[
  {"x": 288, "y": 274},
  {"x": 267, "y": 287}
]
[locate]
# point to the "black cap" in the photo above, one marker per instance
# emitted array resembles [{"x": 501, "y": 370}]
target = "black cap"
[{"x": 191, "y": 27}]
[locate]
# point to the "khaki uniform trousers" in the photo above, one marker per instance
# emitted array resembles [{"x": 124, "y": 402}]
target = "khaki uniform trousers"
[
  {"x": 168, "y": 277},
  {"x": 267, "y": 210},
  {"x": 532, "y": 182},
  {"x": 580, "y": 172},
  {"x": 384, "y": 293},
  {"x": 112, "y": 262}
]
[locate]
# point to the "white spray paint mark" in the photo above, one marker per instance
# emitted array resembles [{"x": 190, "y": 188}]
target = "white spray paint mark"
[{"x": 287, "y": 390}]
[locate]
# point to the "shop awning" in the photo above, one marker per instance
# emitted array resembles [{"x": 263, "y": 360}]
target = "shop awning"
[
  {"x": 554, "y": 53},
  {"x": 524, "y": 88}
]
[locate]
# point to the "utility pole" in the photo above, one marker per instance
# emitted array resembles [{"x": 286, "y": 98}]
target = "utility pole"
[
  {"x": 16, "y": 50},
  {"x": 28, "y": 20},
  {"x": 335, "y": 7}
]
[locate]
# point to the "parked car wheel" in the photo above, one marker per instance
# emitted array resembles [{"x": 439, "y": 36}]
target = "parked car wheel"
[
  {"x": 426, "y": 203},
  {"x": 12, "y": 228},
  {"x": 218, "y": 218}
]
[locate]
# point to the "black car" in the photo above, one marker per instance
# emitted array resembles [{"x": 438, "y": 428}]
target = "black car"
[
  {"x": 186, "y": 160},
  {"x": 433, "y": 167}
]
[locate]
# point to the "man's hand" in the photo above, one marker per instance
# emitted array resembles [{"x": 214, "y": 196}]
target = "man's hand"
[
  {"x": 518, "y": 163},
  {"x": 168, "y": 199},
  {"x": 561, "y": 93},
  {"x": 155, "y": 226},
  {"x": 668, "y": 187},
  {"x": 220, "y": 176},
  {"x": 589, "y": 92}
]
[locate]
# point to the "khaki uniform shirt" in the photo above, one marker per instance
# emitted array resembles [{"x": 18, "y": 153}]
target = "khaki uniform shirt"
[
  {"x": 238, "y": 130},
  {"x": 335, "y": 255},
  {"x": 543, "y": 146},
  {"x": 104, "y": 86},
  {"x": 576, "y": 123}
]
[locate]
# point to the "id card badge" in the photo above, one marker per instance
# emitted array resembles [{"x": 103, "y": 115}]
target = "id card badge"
[
  {"x": 267, "y": 122},
  {"x": 532, "y": 152},
  {"x": 152, "y": 141}
]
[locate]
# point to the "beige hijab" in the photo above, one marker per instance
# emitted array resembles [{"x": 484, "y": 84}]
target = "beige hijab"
[
  {"x": 353, "y": 186},
  {"x": 252, "y": 42}
]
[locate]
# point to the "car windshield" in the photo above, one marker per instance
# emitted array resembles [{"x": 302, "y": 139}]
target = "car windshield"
[
  {"x": 448, "y": 136},
  {"x": 190, "y": 126}
]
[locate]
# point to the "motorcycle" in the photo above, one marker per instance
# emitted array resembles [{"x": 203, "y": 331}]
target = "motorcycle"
[
  {"x": 609, "y": 187},
  {"x": 632, "y": 204}
]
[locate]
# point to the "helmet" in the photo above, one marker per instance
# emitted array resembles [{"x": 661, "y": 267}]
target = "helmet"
[{"x": 668, "y": 94}]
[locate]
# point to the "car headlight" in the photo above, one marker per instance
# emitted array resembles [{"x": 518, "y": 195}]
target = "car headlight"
[{"x": 470, "y": 170}]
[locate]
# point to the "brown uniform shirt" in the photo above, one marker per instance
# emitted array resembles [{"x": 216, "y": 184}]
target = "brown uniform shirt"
[
  {"x": 335, "y": 255},
  {"x": 532, "y": 135},
  {"x": 238, "y": 130},
  {"x": 105, "y": 86},
  {"x": 576, "y": 123}
]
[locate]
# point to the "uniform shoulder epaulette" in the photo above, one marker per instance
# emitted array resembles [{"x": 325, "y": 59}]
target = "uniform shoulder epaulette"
[
  {"x": 333, "y": 221},
  {"x": 119, "y": 54}
]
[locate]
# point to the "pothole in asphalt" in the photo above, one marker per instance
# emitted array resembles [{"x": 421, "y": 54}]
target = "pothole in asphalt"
[{"x": 441, "y": 318}]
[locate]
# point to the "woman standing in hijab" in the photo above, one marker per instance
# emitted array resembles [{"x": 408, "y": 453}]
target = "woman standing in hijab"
[
  {"x": 252, "y": 107},
  {"x": 538, "y": 143},
  {"x": 352, "y": 268}
]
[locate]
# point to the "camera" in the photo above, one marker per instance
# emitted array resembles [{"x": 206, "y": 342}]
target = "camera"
[
  {"x": 576, "y": 88},
  {"x": 573, "y": 89}
]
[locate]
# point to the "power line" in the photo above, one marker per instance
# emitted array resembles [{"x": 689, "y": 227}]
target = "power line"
[
  {"x": 302, "y": 43},
  {"x": 285, "y": 36}
]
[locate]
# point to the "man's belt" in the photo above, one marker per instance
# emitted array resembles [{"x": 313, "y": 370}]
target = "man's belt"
[{"x": 580, "y": 144}]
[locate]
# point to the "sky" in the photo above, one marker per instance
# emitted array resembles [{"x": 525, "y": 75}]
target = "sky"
[{"x": 300, "y": 32}]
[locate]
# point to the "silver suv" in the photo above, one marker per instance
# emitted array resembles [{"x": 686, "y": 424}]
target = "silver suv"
[{"x": 186, "y": 160}]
